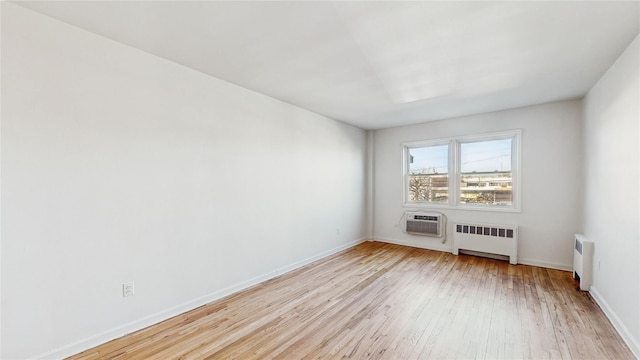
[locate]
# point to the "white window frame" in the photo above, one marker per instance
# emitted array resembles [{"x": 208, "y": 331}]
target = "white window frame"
[
  {"x": 405, "y": 171},
  {"x": 455, "y": 175}
]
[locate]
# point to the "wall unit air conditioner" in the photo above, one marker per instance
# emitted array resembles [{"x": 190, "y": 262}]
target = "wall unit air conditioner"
[
  {"x": 583, "y": 261},
  {"x": 423, "y": 223}
]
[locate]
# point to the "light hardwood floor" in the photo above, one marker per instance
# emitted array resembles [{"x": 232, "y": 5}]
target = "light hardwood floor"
[{"x": 384, "y": 301}]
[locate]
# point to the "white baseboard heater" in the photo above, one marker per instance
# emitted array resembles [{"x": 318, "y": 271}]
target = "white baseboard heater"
[
  {"x": 491, "y": 239},
  {"x": 583, "y": 262}
]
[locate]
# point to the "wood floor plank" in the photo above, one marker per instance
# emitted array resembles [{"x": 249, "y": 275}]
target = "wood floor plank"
[{"x": 384, "y": 301}]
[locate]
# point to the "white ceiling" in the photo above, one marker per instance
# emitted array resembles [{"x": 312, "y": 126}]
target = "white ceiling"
[{"x": 377, "y": 64}]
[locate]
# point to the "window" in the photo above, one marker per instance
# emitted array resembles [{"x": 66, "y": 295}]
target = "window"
[
  {"x": 429, "y": 174},
  {"x": 471, "y": 172},
  {"x": 485, "y": 172}
]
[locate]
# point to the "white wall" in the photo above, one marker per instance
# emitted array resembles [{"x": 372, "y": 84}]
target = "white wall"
[
  {"x": 611, "y": 192},
  {"x": 120, "y": 166},
  {"x": 551, "y": 178}
]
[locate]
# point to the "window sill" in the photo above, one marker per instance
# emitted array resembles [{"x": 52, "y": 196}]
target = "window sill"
[{"x": 461, "y": 207}]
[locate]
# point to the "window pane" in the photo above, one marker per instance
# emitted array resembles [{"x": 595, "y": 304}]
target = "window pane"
[
  {"x": 485, "y": 172},
  {"x": 428, "y": 173}
]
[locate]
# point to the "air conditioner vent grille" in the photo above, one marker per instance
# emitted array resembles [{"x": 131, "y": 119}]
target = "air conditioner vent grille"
[
  {"x": 422, "y": 227},
  {"x": 426, "y": 224}
]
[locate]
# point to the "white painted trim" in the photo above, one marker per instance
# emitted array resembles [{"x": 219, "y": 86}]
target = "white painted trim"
[
  {"x": 436, "y": 207},
  {"x": 545, "y": 264},
  {"x": 370, "y": 182},
  {"x": 426, "y": 245},
  {"x": 431, "y": 246},
  {"x": 0, "y": 203},
  {"x": 139, "y": 324},
  {"x": 625, "y": 334}
]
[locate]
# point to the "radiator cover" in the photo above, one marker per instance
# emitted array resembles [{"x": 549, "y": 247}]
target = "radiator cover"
[
  {"x": 583, "y": 261},
  {"x": 492, "y": 239}
]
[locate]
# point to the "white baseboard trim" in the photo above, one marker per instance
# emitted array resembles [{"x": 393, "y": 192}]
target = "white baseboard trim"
[
  {"x": 438, "y": 247},
  {"x": 133, "y": 326},
  {"x": 545, "y": 264},
  {"x": 429, "y": 245},
  {"x": 633, "y": 344}
]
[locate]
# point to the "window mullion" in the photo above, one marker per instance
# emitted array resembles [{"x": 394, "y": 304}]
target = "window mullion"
[{"x": 454, "y": 184}]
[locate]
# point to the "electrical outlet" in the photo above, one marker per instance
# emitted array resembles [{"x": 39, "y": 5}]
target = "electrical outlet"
[
  {"x": 128, "y": 289},
  {"x": 337, "y": 231}
]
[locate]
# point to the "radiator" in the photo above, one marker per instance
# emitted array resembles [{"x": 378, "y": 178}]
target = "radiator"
[
  {"x": 583, "y": 261},
  {"x": 492, "y": 239}
]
